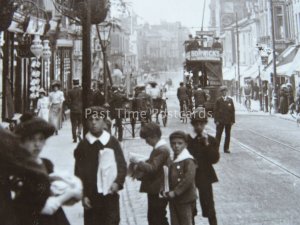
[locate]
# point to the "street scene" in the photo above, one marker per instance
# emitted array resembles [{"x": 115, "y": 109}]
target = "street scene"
[{"x": 149, "y": 112}]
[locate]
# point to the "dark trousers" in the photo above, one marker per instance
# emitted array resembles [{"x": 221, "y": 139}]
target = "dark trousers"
[
  {"x": 76, "y": 122},
  {"x": 157, "y": 212},
  {"x": 207, "y": 203},
  {"x": 220, "y": 128},
  {"x": 182, "y": 213},
  {"x": 105, "y": 211}
]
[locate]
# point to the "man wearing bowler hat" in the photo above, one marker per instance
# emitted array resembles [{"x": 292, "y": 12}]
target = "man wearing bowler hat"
[
  {"x": 75, "y": 105},
  {"x": 224, "y": 117}
]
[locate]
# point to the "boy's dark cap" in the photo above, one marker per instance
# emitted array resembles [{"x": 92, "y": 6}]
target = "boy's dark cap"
[
  {"x": 199, "y": 116},
  {"x": 97, "y": 111},
  {"x": 179, "y": 134},
  {"x": 33, "y": 126}
]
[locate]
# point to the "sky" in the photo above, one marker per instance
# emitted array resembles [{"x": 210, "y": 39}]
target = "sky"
[{"x": 188, "y": 12}]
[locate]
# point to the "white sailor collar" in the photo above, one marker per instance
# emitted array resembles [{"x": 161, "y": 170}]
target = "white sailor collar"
[
  {"x": 183, "y": 156},
  {"x": 160, "y": 143},
  {"x": 104, "y": 138}
]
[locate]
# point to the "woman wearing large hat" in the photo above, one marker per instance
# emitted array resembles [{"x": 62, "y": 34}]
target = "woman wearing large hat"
[
  {"x": 43, "y": 105},
  {"x": 56, "y": 98}
]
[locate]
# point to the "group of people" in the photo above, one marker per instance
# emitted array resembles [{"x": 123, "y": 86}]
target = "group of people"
[
  {"x": 192, "y": 98},
  {"x": 101, "y": 166},
  {"x": 51, "y": 108}
]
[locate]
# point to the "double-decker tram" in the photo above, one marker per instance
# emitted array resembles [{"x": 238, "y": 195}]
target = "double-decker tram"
[{"x": 203, "y": 62}]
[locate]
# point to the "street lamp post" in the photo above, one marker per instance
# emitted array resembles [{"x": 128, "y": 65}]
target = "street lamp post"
[
  {"x": 103, "y": 31},
  {"x": 274, "y": 59}
]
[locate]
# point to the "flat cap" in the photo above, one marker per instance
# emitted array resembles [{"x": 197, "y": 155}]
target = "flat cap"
[{"x": 179, "y": 134}]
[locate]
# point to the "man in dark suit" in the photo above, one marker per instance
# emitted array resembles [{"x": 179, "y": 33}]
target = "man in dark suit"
[
  {"x": 75, "y": 105},
  {"x": 205, "y": 150},
  {"x": 224, "y": 117},
  {"x": 182, "y": 95}
]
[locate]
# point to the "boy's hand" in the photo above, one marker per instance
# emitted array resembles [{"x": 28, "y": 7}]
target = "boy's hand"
[
  {"x": 171, "y": 194},
  {"x": 114, "y": 188},
  {"x": 164, "y": 194},
  {"x": 86, "y": 203},
  {"x": 51, "y": 206},
  {"x": 205, "y": 137}
]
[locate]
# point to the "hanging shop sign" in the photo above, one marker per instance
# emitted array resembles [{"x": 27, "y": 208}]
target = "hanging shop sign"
[
  {"x": 203, "y": 55},
  {"x": 36, "y": 25}
]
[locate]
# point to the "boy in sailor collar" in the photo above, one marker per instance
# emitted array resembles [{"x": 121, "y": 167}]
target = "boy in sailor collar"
[
  {"x": 182, "y": 172},
  {"x": 100, "y": 163}
]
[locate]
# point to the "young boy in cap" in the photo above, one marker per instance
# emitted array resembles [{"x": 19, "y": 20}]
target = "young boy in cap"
[
  {"x": 100, "y": 163},
  {"x": 204, "y": 148},
  {"x": 152, "y": 173},
  {"x": 182, "y": 172}
]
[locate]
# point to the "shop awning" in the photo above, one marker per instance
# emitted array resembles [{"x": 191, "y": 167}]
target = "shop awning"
[
  {"x": 295, "y": 65},
  {"x": 283, "y": 69},
  {"x": 251, "y": 72}
]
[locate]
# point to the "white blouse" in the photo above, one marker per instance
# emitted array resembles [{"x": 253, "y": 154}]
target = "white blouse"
[{"x": 56, "y": 97}]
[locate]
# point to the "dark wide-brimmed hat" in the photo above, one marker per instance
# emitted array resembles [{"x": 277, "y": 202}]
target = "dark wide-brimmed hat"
[
  {"x": 33, "y": 126},
  {"x": 96, "y": 111},
  {"x": 179, "y": 134},
  {"x": 223, "y": 88},
  {"x": 17, "y": 160}
]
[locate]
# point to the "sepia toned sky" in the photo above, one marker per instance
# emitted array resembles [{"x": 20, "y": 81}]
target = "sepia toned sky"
[{"x": 188, "y": 12}]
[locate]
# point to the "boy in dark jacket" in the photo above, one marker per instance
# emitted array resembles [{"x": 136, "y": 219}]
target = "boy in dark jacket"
[
  {"x": 100, "y": 163},
  {"x": 204, "y": 148},
  {"x": 182, "y": 172},
  {"x": 152, "y": 173}
]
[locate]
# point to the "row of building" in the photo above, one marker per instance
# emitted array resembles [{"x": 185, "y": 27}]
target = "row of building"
[
  {"x": 135, "y": 49},
  {"x": 249, "y": 23}
]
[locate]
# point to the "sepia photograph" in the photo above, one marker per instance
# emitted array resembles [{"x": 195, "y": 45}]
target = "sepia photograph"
[{"x": 149, "y": 112}]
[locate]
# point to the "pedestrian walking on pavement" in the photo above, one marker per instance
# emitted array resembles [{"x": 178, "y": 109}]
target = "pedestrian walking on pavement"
[
  {"x": 152, "y": 173},
  {"x": 100, "y": 164},
  {"x": 182, "y": 195},
  {"x": 204, "y": 148},
  {"x": 224, "y": 117},
  {"x": 43, "y": 105},
  {"x": 74, "y": 101},
  {"x": 33, "y": 134},
  {"x": 56, "y": 98},
  {"x": 182, "y": 95}
]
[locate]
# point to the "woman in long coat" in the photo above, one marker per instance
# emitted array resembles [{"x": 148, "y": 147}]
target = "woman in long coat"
[{"x": 56, "y": 98}]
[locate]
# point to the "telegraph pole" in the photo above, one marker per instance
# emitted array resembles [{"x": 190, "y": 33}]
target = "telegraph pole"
[
  {"x": 86, "y": 60},
  {"x": 274, "y": 59},
  {"x": 238, "y": 57}
]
